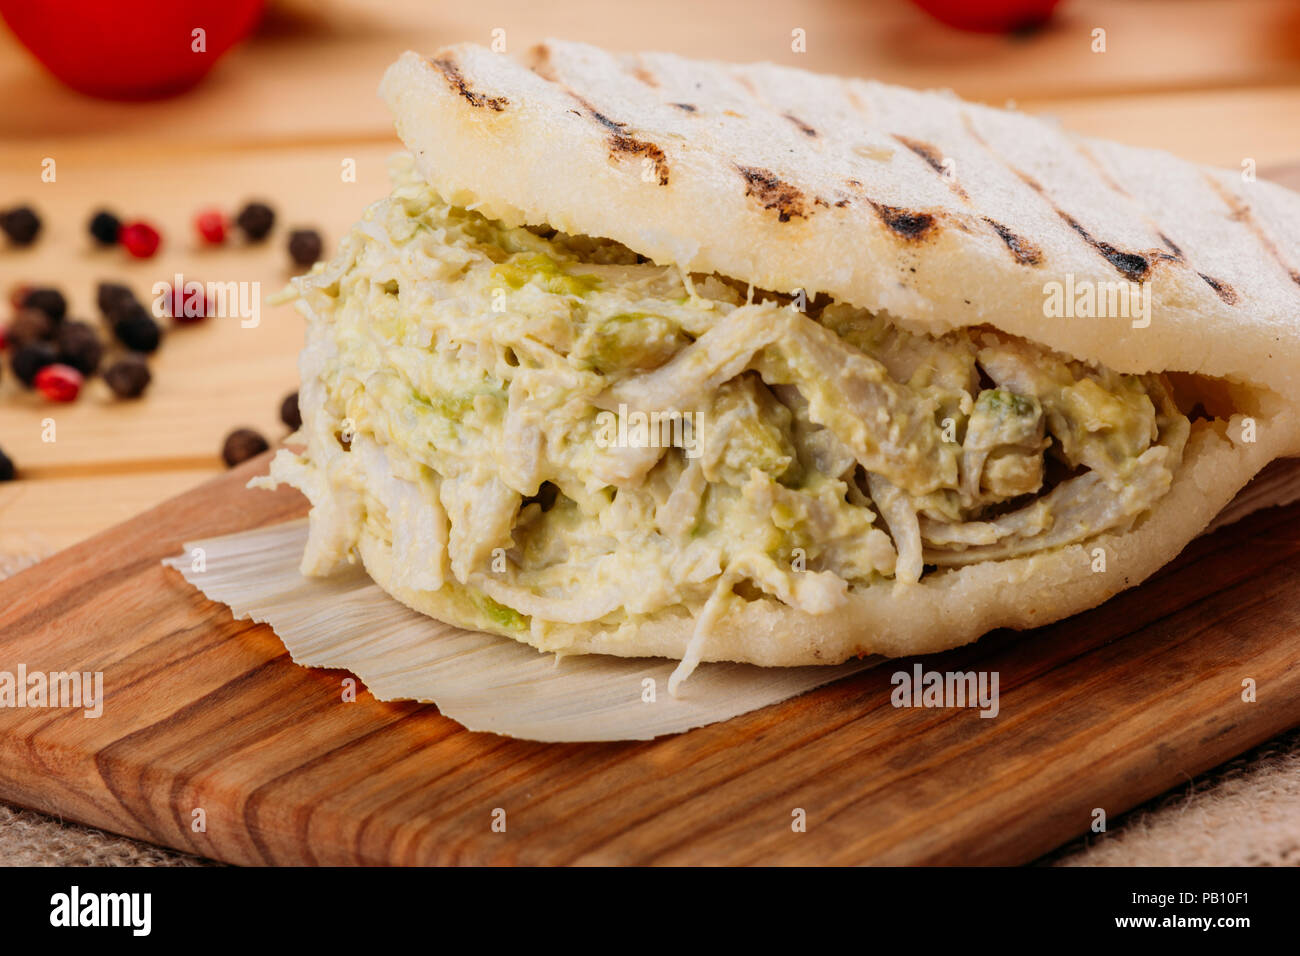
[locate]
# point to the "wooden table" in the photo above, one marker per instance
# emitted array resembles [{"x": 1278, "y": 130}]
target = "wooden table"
[{"x": 1212, "y": 80}]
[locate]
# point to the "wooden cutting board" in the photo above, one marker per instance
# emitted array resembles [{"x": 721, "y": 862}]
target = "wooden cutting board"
[{"x": 1104, "y": 710}]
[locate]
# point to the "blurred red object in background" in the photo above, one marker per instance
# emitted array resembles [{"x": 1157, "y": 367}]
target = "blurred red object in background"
[
  {"x": 130, "y": 49},
  {"x": 990, "y": 16}
]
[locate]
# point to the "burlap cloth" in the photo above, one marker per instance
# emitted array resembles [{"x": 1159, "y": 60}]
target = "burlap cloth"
[{"x": 1244, "y": 813}]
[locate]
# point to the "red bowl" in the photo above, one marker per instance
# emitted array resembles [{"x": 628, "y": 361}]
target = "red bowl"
[{"x": 130, "y": 49}]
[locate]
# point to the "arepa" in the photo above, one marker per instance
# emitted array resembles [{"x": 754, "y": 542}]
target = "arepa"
[{"x": 648, "y": 356}]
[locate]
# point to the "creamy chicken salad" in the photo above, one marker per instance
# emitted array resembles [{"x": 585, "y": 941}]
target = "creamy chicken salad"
[{"x": 549, "y": 430}]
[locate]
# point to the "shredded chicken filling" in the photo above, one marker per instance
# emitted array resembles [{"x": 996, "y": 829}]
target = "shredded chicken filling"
[{"x": 562, "y": 433}]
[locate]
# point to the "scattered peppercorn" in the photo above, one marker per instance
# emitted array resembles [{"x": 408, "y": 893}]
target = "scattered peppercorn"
[
  {"x": 128, "y": 377},
  {"x": 30, "y": 359},
  {"x": 114, "y": 299},
  {"x": 59, "y": 383},
  {"x": 211, "y": 224},
  {"x": 305, "y": 247},
  {"x": 255, "y": 221},
  {"x": 140, "y": 239},
  {"x": 187, "y": 305},
  {"x": 241, "y": 445},
  {"x": 17, "y": 294},
  {"x": 105, "y": 227},
  {"x": 30, "y": 325},
  {"x": 80, "y": 346},
  {"x": 49, "y": 301},
  {"x": 6, "y": 468},
  {"x": 136, "y": 329},
  {"x": 21, "y": 225},
  {"x": 289, "y": 412}
]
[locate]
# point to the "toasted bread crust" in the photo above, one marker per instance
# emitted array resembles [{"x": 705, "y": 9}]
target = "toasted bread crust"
[{"x": 941, "y": 213}]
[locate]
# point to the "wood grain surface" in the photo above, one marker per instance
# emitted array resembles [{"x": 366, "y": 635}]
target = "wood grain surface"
[{"x": 1101, "y": 711}]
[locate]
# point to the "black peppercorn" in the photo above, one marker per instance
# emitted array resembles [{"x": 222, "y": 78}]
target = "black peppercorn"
[
  {"x": 113, "y": 299},
  {"x": 104, "y": 226},
  {"x": 49, "y": 301},
  {"x": 80, "y": 346},
  {"x": 29, "y": 325},
  {"x": 241, "y": 445},
  {"x": 305, "y": 247},
  {"x": 128, "y": 377},
  {"x": 6, "y": 468},
  {"x": 137, "y": 330},
  {"x": 21, "y": 225},
  {"x": 255, "y": 221},
  {"x": 289, "y": 413},
  {"x": 30, "y": 359}
]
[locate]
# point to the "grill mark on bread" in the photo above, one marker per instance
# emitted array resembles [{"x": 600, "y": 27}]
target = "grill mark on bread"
[
  {"x": 641, "y": 72},
  {"x": 1026, "y": 253},
  {"x": 1225, "y": 292},
  {"x": 935, "y": 160},
  {"x": 801, "y": 125},
  {"x": 1022, "y": 249},
  {"x": 456, "y": 80},
  {"x": 1221, "y": 288},
  {"x": 1134, "y": 266},
  {"x": 1241, "y": 213},
  {"x": 644, "y": 149},
  {"x": 750, "y": 88},
  {"x": 973, "y": 131},
  {"x": 908, "y": 224},
  {"x": 614, "y": 126},
  {"x": 1028, "y": 180},
  {"x": 774, "y": 193},
  {"x": 686, "y": 107},
  {"x": 538, "y": 59},
  {"x": 623, "y": 144},
  {"x": 1102, "y": 173},
  {"x": 924, "y": 150},
  {"x": 1111, "y": 183},
  {"x": 855, "y": 100}
]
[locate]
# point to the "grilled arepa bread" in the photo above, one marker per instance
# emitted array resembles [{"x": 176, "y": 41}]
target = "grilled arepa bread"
[{"x": 655, "y": 357}]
